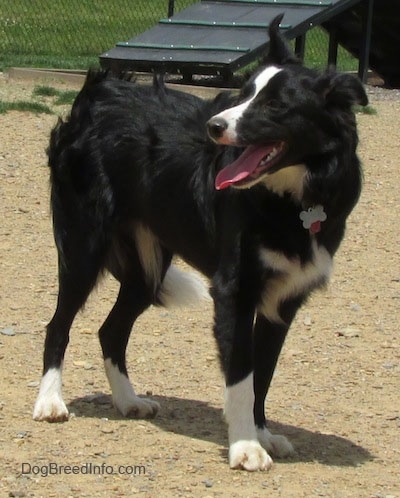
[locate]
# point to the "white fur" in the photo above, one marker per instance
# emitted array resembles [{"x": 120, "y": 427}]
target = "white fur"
[
  {"x": 181, "y": 288},
  {"x": 49, "y": 404},
  {"x": 244, "y": 449},
  {"x": 274, "y": 443},
  {"x": 232, "y": 115},
  {"x": 293, "y": 277},
  {"x": 249, "y": 455},
  {"x": 124, "y": 397}
]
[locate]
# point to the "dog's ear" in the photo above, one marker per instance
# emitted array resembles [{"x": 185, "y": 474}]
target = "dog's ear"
[
  {"x": 341, "y": 90},
  {"x": 279, "y": 51}
]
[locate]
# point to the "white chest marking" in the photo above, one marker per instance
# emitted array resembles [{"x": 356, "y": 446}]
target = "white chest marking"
[{"x": 293, "y": 278}]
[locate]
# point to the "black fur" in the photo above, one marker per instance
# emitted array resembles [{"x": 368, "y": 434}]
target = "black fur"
[{"x": 131, "y": 154}]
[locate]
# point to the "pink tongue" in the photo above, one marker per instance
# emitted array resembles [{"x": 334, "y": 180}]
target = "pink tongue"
[{"x": 243, "y": 167}]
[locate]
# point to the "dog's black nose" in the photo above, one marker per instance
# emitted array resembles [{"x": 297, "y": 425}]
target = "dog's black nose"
[{"x": 216, "y": 127}]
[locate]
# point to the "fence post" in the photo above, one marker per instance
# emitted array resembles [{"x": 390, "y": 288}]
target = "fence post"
[
  {"x": 300, "y": 46},
  {"x": 333, "y": 47},
  {"x": 171, "y": 7},
  {"x": 365, "y": 42}
]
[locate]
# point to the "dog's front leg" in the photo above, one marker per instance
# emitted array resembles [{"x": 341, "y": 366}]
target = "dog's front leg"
[
  {"x": 234, "y": 316},
  {"x": 268, "y": 340},
  {"x": 245, "y": 451}
]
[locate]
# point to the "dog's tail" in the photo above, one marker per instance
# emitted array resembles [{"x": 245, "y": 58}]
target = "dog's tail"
[
  {"x": 73, "y": 182},
  {"x": 182, "y": 288},
  {"x": 67, "y": 131}
]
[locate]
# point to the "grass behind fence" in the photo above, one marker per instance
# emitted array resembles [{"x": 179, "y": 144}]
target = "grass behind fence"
[{"x": 71, "y": 34}]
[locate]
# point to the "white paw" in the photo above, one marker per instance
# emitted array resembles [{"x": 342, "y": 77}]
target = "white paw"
[
  {"x": 50, "y": 408},
  {"x": 124, "y": 397},
  {"x": 49, "y": 404},
  {"x": 136, "y": 407},
  {"x": 276, "y": 444},
  {"x": 249, "y": 455}
]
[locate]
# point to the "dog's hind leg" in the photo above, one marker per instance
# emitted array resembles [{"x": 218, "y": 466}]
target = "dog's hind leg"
[
  {"x": 139, "y": 263},
  {"x": 133, "y": 299},
  {"x": 269, "y": 337},
  {"x": 78, "y": 272}
]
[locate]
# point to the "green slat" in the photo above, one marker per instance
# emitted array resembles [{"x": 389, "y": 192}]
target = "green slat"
[
  {"x": 163, "y": 46},
  {"x": 299, "y": 3},
  {"x": 219, "y": 24}
]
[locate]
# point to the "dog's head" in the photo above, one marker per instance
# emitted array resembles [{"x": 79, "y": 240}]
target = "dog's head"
[{"x": 287, "y": 116}]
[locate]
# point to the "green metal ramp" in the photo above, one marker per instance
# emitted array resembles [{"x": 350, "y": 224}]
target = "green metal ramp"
[{"x": 221, "y": 36}]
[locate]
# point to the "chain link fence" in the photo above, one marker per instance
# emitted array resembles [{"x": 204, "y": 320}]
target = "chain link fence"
[{"x": 73, "y": 33}]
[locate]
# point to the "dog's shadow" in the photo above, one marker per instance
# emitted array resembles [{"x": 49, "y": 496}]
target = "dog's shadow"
[{"x": 199, "y": 420}]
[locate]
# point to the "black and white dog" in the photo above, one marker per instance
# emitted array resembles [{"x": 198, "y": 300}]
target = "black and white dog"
[{"x": 259, "y": 208}]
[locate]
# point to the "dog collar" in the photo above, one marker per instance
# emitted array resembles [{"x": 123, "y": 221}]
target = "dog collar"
[{"x": 312, "y": 218}]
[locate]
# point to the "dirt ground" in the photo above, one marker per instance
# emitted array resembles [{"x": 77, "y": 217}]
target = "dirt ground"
[{"x": 336, "y": 392}]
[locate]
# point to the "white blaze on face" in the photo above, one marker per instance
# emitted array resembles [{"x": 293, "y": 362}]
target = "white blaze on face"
[{"x": 232, "y": 115}]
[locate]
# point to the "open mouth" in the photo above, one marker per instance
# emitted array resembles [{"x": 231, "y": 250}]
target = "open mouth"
[{"x": 255, "y": 161}]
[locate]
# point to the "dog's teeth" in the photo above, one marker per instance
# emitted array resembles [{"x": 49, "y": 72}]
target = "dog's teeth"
[
  {"x": 269, "y": 157},
  {"x": 273, "y": 153}
]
